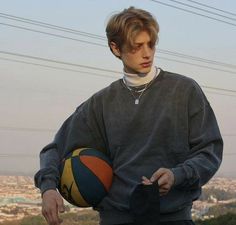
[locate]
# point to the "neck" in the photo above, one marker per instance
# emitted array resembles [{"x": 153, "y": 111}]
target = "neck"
[{"x": 133, "y": 80}]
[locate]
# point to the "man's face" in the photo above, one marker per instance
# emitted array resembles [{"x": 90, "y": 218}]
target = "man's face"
[{"x": 139, "y": 59}]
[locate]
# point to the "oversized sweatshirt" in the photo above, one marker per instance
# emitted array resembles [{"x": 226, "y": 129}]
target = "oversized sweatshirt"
[{"x": 173, "y": 126}]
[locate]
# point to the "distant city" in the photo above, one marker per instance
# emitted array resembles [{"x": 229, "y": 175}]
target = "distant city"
[{"x": 19, "y": 198}]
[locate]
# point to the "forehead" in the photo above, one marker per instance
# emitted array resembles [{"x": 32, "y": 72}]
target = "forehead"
[{"x": 142, "y": 37}]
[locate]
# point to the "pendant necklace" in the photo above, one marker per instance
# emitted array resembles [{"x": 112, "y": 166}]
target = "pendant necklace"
[{"x": 139, "y": 92}]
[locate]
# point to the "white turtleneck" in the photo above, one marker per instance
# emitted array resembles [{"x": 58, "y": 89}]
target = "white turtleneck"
[{"x": 134, "y": 80}]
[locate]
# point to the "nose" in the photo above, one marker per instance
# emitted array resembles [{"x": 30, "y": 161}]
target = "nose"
[{"x": 146, "y": 51}]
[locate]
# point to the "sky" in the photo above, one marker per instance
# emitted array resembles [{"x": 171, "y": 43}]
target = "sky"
[{"x": 54, "y": 55}]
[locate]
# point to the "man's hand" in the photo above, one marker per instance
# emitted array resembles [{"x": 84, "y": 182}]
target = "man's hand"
[
  {"x": 165, "y": 179},
  {"x": 52, "y": 203}
]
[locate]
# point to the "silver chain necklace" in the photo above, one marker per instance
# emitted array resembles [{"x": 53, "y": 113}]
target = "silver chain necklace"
[{"x": 137, "y": 98}]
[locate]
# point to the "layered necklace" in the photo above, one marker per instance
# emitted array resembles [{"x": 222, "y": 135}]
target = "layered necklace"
[{"x": 137, "y": 92}]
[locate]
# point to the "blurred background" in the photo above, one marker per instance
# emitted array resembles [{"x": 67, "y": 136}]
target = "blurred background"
[{"x": 54, "y": 55}]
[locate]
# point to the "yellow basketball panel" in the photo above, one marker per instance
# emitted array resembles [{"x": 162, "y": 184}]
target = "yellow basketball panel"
[{"x": 68, "y": 184}]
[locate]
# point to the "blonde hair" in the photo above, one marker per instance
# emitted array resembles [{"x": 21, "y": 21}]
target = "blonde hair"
[{"x": 123, "y": 27}]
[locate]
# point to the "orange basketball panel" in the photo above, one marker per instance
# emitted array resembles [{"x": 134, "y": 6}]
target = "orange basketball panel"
[{"x": 100, "y": 168}]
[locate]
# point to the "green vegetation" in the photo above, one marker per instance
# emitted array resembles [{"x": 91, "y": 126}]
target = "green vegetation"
[
  {"x": 89, "y": 217},
  {"x": 85, "y": 217},
  {"x": 33, "y": 220},
  {"x": 219, "y": 194},
  {"x": 228, "y": 219},
  {"x": 221, "y": 209},
  {"x": 10, "y": 223}
]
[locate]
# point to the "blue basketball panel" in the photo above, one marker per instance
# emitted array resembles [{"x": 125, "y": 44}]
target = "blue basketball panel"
[
  {"x": 88, "y": 184},
  {"x": 96, "y": 153},
  {"x": 62, "y": 164}
]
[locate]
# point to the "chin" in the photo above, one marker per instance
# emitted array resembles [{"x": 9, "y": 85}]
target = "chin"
[
  {"x": 139, "y": 70},
  {"x": 145, "y": 70}
]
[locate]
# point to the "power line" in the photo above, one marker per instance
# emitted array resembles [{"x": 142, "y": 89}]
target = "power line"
[
  {"x": 229, "y": 154},
  {"x": 194, "y": 64},
  {"x": 51, "y": 26},
  {"x": 24, "y": 155},
  {"x": 164, "y": 58},
  {"x": 36, "y": 129},
  {"x": 161, "y": 51},
  {"x": 229, "y": 135},
  {"x": 58, "y": 68},
  {"x": 196, "y": 58},
  {"x": 27, "y": 129},
  {"x": 51, "y": 34},
  {"x": 195, "y": 13},
  {"x": 95, "y": 36},
  {"x": 17, "y": 155},
  {"x": 217, "y": 93},
  {"x": 220, "y": 10},
  {"x": 219, "y": 89},
  {"x": 31, "y": 129},
  {"x": 59, "y": 62},
  {"x": 88, "y": 67},
  {"x": 201, "y": 9},
  {"x": 99, "y": 75},
  {"x": 77, "y": 32}
]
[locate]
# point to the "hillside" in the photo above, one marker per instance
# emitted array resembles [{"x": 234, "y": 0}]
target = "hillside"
[
  {"x": 17, "y": 204},
  {"x": 227, "y": 219},
  {"x": 85, "y": 217},
  {"x": 89, "y": 217}
]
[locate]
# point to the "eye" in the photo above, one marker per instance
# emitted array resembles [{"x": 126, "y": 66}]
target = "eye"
[
  {"x": 151, "y": 45},
  {"x": 137, "y": 47}
]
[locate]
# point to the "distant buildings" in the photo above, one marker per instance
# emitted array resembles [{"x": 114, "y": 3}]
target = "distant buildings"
[{"x": 19, "y": 198}]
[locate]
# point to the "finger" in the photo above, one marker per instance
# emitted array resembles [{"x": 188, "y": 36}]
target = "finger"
[
  {"x": 61, "y": 207},
  {"x": 46, "y": 217},
  {"x": 163, "y": 180},
  {"x": 55, "y": 219},
  {"x": 50, "y": 219},
  {"x": 145, "y": 178},
  {"x": 157, "y": 174},
  {"x": 60, "y": 220},
  {"x": 163, "y": 193},
  {"x": 146, "y": 181},
  {"x": 47, "y": 214},
  {"x": 61, "y": 210},
  {"x": 51, "y": 215},
  {"x": 164, "y": 187}
]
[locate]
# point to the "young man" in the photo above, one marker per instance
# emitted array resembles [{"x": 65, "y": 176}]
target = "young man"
[{"x": 157, "y": 127}]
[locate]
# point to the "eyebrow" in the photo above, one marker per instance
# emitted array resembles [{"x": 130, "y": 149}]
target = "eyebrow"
[
  {"x": 141, "y": 43},
  {"x": 138, "y": 43}
]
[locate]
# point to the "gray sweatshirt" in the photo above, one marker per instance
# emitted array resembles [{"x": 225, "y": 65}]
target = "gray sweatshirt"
[{"x": 173, "y": 127}]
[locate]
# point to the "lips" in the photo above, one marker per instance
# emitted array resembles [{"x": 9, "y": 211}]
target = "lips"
[{"x": 146, "y": 64}]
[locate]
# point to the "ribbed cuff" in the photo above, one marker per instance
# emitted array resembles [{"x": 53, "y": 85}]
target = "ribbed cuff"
[
  {"x": 47, "y": 185},
  {"x": 179, "y": 175}
]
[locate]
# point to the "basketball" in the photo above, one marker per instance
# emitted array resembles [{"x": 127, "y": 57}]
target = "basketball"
[{"x": 86, "y": 177}]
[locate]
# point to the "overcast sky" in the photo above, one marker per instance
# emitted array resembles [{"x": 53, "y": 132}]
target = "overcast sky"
[{"x": 53, "y": 53}]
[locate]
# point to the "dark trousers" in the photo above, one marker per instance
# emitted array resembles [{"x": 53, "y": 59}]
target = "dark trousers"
[{"x": 181, "y": 222}]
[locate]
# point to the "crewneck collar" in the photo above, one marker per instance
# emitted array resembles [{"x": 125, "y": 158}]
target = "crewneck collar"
[{"x": 134, "y": 80}]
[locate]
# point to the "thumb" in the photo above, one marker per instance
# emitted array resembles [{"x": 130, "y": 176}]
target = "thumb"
[
  {"x": 156, "y": 175},
  {"x": 61, "y": 209},
  {"x": 60, "y": 204}
]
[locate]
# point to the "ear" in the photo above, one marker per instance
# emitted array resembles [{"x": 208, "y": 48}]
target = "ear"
[{"x": 115, "y": 49}]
